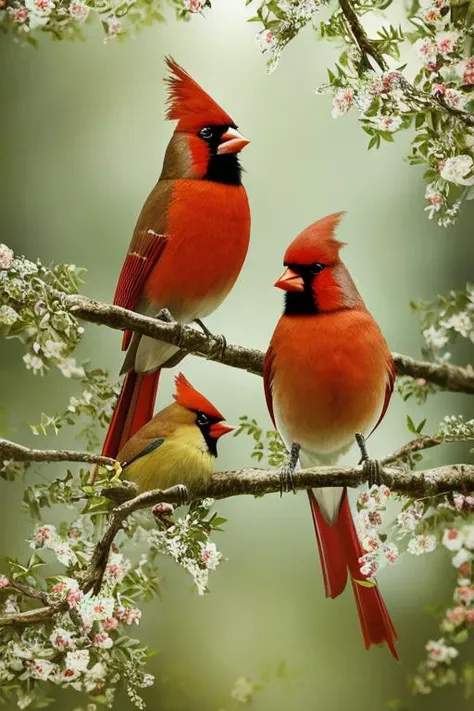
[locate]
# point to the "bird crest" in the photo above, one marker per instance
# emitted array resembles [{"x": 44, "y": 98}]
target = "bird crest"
[
  {"x": 188, "y": 397},
  {"x": 189, "y": 104},
  {"x": 316, "y": 243}
]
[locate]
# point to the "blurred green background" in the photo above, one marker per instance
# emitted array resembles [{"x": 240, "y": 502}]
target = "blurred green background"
[{"x": 82, "y": 145}]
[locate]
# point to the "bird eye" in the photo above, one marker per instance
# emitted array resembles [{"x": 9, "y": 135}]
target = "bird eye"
[
  {"x": 202, "y": 419},
  {"x": 316, "y": 268},
  {"x": 206, "y": 133}
]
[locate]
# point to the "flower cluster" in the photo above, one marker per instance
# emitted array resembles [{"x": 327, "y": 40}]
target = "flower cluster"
[
  {"x": 65, "y": 18},
  {"x": 187, "y": 542},
  {"x": 377, "y": 552},
  {"x": 444, "y": 320},
  {"x": 439, "y": 101},
  {"x": 457, "y": 622}
]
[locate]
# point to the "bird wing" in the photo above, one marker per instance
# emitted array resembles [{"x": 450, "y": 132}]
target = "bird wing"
[
  {"x": 146, "y": 450},
  {"x": 268, "y": 368},
  {"x": 145, "y": 250},
  {"x": 388, "y": 392}
]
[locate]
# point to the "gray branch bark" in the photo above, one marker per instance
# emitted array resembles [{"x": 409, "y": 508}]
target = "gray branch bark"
[{"x": 447, "y": 377}]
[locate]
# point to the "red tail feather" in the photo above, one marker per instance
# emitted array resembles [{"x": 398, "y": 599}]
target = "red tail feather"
[
  {"x": 339, "y": 551},
  {"x": 133, "y": 410}
]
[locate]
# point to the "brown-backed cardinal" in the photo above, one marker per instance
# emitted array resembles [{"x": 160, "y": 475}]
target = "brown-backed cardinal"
[
  {"x": 178, "y": 445},
  {"x": 328, "y": 375},
  {"x": 188, "y": 246}
]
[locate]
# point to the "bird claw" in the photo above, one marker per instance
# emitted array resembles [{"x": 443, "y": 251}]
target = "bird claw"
[
  {"x": 166, "y": 315},
  {"x": 286, "y": 479},
  {"x": 288, "y": 469},
  {"x": 182, "y": 493},
  {"x": 371, "y": 467},
  {"x": 219, "y": 342}
]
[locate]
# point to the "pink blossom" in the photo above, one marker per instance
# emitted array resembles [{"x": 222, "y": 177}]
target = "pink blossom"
[
  {"x": 427, "y": 50},
  {"x": 194, "y": 5},
  {"x": 265, "y": 39},
  {"x": 102, "y": 639},
  {"x": 128, "y": 615},
  {"x": 469, "y": 72},
  {"x": 454, "y": 98},
  {"x": 438, "y": 89},
  {"x": 452, "y": 539},
  {"x": 4, "y": 582},
  {"x": 342, "y": 101},
  {"x": 19, "y": 14},
  {"x": 111, "y": 623},
  {"x": 74, "y": 597},
  {"x": 375, "y": 518},
  {"x": 431, "y": 66},
  {"x": 368, "y": 565},
  {"x": 78, "y": 10},
  {"x": 432, "y": 15},
  {"x": 44, "y": 536},
  {"x": 464, "y": 594},
  {"x": 470, "y": 616},
  {"x": 465, "y": 570},
  {"x": 446, "y": 42},
  {"x": 59, "y": 588},
  {"x": 390, "y": 81},
  {"x": 370, "y": 544},
  {"x": 456, "y": 615},
  {"x": 363, "y": 498},
  {"x": 390, "y": 552}
]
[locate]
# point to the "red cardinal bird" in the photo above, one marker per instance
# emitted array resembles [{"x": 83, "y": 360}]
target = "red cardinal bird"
[
  {"x": 188, "y": 246},
  {"x": 328, "y": 375}
]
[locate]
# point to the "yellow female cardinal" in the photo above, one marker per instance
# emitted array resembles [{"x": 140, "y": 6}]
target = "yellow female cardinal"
[
  {"x": 177, "y": 446},
  {"x": 188, "y": 246},
  {"x": 328, "y": 375}
]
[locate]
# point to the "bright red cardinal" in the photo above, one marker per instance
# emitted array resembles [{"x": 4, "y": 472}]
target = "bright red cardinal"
[
  {"x": 188, "y": 246},
  {"x": 328, "y": 375}
]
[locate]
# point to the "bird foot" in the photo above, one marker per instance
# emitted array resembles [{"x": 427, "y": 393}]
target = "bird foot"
[
  {"x": 166, "y": 315},
  {"x": 219, "y": 343},
  {"x": 181, "y": 492},
  {"x": 287, "y": 470},
  {"x": 372, "y": 467}
]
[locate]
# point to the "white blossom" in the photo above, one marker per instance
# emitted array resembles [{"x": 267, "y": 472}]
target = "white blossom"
[
  {"x": 452, "y": 539},
  {"x": 62, "y": 639},
  {"x": 243, "y": 690},
  {"x": 70, "y": 369},
  {"x": 33, "y": 363},
  {"x": 424, "y": 543},
  {"x": 461, "y": 323},
  {"x": 435, "y": 337},
  {"x": 6, "y": 257},
  {"x": 210, "y": 556},
  {"x": 78, "y": 10},
  {"x": 461, "y": 557},
  {"x": 77, "y": 660},
  {"x": 456, "y": 169},
  {"x": 342, "y": 101},
  {"x": 439, "y": 652},
  {"x": 194, "y": 5},
  {"x": 265, "y": 40}
]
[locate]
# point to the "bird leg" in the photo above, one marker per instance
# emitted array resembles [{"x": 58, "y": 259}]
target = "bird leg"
[
  {"x": 166, "y": 315},
  {"x": 220, "y": 343},
  {"x": 372, "y": 467},
  {"x": 288, "y": 469}
]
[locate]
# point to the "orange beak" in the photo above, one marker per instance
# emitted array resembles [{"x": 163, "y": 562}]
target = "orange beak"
[
  {"x": 232, "y": 142},
  {"x": 218, "y": 429},
  {"x": 290, "y": 281}
]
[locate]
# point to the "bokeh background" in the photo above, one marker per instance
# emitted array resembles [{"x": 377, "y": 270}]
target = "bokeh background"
[{"x": 82, "y": 142}]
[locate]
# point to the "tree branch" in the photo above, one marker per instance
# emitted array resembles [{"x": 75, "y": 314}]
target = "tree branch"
[
  {"x": 369, "y": 48},
  {"x": 447, "y": 377},
  {"x": 253, "y": 482},
  {"x": 19, "y": 453},
  {"x": 366, "y": 46}
]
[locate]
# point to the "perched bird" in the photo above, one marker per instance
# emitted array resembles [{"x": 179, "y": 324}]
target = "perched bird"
[
  {"x": 188, "y": 246},
  {"x": 328, "y": 375},
  {"x": 178, "y": 445}
]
